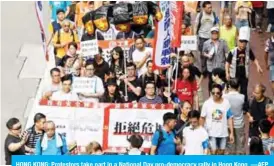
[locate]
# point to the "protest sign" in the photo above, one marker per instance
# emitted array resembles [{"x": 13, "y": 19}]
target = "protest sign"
[
  {"x": 188, "y": 43},
  {"x": 83, "y": 84},
  {"x": 89, "y": 48}
]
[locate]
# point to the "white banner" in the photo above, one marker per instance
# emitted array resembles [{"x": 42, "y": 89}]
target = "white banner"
[
  {"x": 188, "y": 43},
  {"x": 139, "y": 121},
  {"x": 89, "y": 48},
  {"x": 83, "y": 84}
]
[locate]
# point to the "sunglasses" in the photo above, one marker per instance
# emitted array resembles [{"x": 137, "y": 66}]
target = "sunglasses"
[
  {"x": 215, "y": 93},
  {"x": 66, "y": 25},
  {"x": 18, "y": 128}
]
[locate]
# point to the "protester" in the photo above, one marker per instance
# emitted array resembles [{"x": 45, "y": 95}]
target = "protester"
[
  {"x": 243, "y": 10},
  {"x": 80, "y": 11},
  {"x": 111, "y": 94},
  {"x": 194, "y": 145},
  {"x": 257, "y": 15},
  {"x": 186, "y": 88},
  {"x": 238, "y": 107},
  {"x": 97, "y": 90},
  {"x": 131, "y": 83},
  {"x": 224, "y": 10},
  {"x": 270, "y": 117},
  {"x": 150, "y": 76},
  {"x": 217, "y": 117},
  {"x": 216, "y": 51},
  {"x": 117, "y": 63},
  {"x": 168, "y": 97},
  {"x": 61, "y": 40},
  {"x": 59, "y": 5},
  {"x": 14, "y": 144},
  {"x": 51, "y": 143},
  {"x": 65, "y": 94},
  {"x": 71, "y": 13},
  {"x": 205, "y": 20},
  {"x": 164, "y": 140},
  {"x": 256, "y": 146},
  {"x": 237, "y": 64},
  {"x": 268, "y": 143},
  {"x": 136, "y": 142},
  {"x": 141, "y": 55},
  {"x": 182, "y": 119},
  {"x": 94, "y": 148},
  {"x": 218, "y": 77},
  {"x": 229, "y": 32},
  {"x": 72, "y": 52},
  {"x": 55, "y": 84},
  {"x": 269, "y": 58},
  {"x": 36, "y": 131},
  {"x": 150, "y": 96},
  {"x": 100, "y": 65},
  {"x": 257, "y": 109},
  {"x": 270, "y": 13},
  {"x": 65, "y": 65}
]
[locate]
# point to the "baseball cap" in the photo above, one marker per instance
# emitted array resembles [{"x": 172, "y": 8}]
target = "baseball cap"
[
  {"x": 216, "y": 29},
  {"x": 59, "y": 11}
]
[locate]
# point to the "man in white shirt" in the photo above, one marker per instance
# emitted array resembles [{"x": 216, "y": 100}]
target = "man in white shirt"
[
  {"x": 65, "y": 94},
  {"x": 195, "y": 137},
  {"x": 141, "y": 55},
  {"x": 216, "y": 114},
  {"x": 97, "y": 90},
  {"x": 55, "y": 84}
]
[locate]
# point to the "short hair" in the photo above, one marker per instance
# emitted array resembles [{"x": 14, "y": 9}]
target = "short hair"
[
  {"x": 185, "y": 102},
  {"x": 149, "y": 82},
  {"x": 11, "y": 122},
  {"x": 74, "y": 44},
  {"x": 139, "y": 37},
  {"x": 234, "y": 83},
  {"x": 130, "y": 64},
  {"x": 136, "y": 141},
  {"x": 256, "y": 146},
  {"x": 217, "y": 86},
  {"x": 169, "y": 116},
  {"x": 54, "y": 70},
  {"x": 220, "y": 73},
  {"x": 100, "y": 50},
  {"x": 265, "y": 126},
  {"x": 261, "y": 86},
  {"x": 67, "y": 77},
  {"x": 93, "y": 147},
  {"x": 148, "y": 62},
  {"x": 193, "y": 114},
  {"x": 59, "y": 11},
  {"x": 89, "y": 62},
  {"x": 206, "y": 3},
  {"x": 38, "y": 117}
]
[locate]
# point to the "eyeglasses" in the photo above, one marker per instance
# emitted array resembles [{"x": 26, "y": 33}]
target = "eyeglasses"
[
  {"x": 215, "y": 93},
  {"x": 89, "y": 69},
  {"x": 66, "y": 25},
  {"x": 18, "y": 128}
]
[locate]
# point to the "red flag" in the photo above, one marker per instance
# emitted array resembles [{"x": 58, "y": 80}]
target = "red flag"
[{"x": 176, "y": 19}]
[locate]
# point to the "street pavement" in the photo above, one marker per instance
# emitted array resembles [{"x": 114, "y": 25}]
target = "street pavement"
[{"x": 20, "y": 27}]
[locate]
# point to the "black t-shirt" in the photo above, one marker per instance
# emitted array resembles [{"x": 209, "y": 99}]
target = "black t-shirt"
[
  {"x": 101, "y": 69},
  {"x": 12, "y": 139},
  {"x": 257, "y": 109},
  {"x": 240, "y": 69},
  {"x": 172, "y": 96},
  {"x": 143, "y": 79},
  {"x": 108, "y": 99},
  {"x": 131, "y": 95},
  {"x": 86, "y": 37}
]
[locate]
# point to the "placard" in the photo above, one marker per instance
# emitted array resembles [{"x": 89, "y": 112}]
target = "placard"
[
  {"x": 83, "y": 84},
  {"x": 89, "y": 48},
  {"x": 188, "y": 43}
]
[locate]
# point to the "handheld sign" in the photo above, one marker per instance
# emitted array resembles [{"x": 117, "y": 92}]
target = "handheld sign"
[{"x": 89, "y": 48}]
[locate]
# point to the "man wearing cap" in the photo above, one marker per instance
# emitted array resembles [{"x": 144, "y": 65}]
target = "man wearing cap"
[
  {"x": 237, "y": 63},
  {"x": 269, "y": 57},
  {"x": 215, "y": 50}
]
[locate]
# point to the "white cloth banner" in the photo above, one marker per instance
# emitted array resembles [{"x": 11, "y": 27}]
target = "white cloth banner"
[
  {"x": 188, "y": 43},
  {"x": 89, "y": 48},
  {"x": 83, "y": 84},
  {"x": 139, "y": 121}
]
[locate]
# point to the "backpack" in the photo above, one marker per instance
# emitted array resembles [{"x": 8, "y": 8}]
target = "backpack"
[
  {"x": 41, "y": 139},
  {"x": 161, "y": 138},
  {"x": 143, "y": 79},
  {"x": 200, "y": 19},
  {"x": 56, "y": 26},
  {"x": 58, "y": 39}
]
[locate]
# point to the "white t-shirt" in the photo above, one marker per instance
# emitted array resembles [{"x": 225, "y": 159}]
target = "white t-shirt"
[
  {"x": 216, "y": 116},
  {"x": 270, "y": 5},
  {"x": 51, "y": 88},
  {"x": 137, "y": 56},
  {"x": 194, "y": 140},
  {"x": 61, "y": 96},
  {"x": 98, "y": 87}
]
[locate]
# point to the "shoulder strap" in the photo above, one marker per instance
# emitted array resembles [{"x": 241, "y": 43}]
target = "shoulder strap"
[
  {"x": 58, "y": 37},
  {"x": 72, "y": 33},
  {"x": 155, "y": 79},
  {"x": 143, "y": 79},
  {"x": 61, "y": 148},
  {"x": 160, "y": 139},
  {"x": 215, "y": 18},
  {"x": 199, "y": 21},
  {"x": 41, "y": 139}
]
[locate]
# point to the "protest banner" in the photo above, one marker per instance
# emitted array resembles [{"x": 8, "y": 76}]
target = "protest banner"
[
  {"x": 83, "y": 84},
  {"x": 188, "y": 43},
  {"x": 89, "y": 48}
]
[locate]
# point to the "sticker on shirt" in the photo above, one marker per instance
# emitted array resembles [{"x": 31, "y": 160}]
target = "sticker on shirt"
[
  {"x": 241, "y": 60},
  {"x": 184, "y": 91},
  {"x": 217, "y": 115}
]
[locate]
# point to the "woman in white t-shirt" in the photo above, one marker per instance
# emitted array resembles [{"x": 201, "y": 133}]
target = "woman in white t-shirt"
[
  {"x": 141, "y": 55},
  {"x": 195, "y": 137}
]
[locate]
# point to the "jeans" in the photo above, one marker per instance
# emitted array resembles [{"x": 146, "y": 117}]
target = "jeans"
[
  {"x": 203, "y": 58},
  {"x": 241, "y": 23},
  {"x": 271, "y": 73},
  {"x": 270, "y": 13}
]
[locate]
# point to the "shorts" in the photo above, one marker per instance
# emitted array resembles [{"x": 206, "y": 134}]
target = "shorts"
[
  {"x": 271, "y": 73},
  {"x": 217, "y": 143},
  {"x": 241, "y": 23},
  {"x": 239, "y": 141}
]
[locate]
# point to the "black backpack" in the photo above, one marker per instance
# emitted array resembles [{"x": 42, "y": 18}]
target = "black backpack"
[
  {"x": 161, "y": 138},
  {"x": 41, "y": 139},
  {"x": 58, "y": 39},
  {"x": 200, "y": 19}
]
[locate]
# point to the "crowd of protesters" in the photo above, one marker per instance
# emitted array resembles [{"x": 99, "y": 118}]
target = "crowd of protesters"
[{"x": 213, "y": 126}]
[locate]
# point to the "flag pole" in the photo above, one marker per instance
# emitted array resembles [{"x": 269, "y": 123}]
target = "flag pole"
[
  {"x": 125, "y": 66},
  {"x": 176, "y": 71}
]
